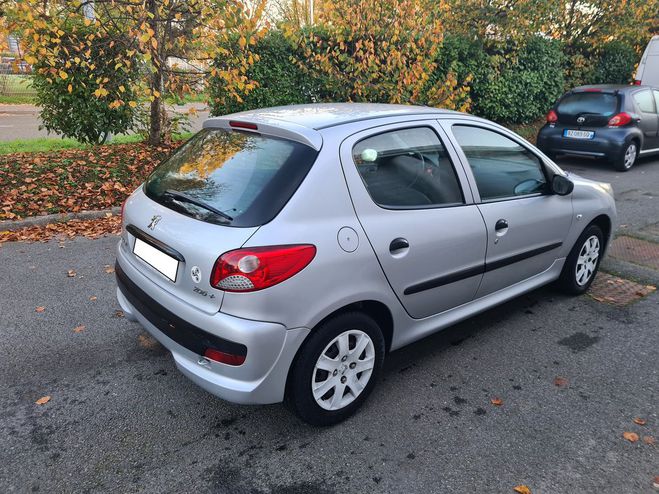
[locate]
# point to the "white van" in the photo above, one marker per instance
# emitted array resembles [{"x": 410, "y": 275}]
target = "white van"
[{"x": 648, "y": 70}]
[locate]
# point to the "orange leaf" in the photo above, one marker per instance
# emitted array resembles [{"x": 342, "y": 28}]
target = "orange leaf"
[
  {"x": 496, "y": 402},
  {"x": 522, "y": 489},
  {"x": 79, "y": 329},
  {"x": 43, "y": 400},
  {"x": 560, "y": 381},
  {"x": 93, "y": 298},
  {"x": 109, "y": 269},
  {"x": 649, "y": 440},
  {"x": 40, "y": 309},
  {"x": 71, "y": 273},
  {"x": 640, "y": 421},
  {"x": 632, "y": 437}
]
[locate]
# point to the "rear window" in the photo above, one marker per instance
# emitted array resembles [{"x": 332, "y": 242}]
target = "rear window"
[
  {"x": 231, "y": 178},
  {"x": 588, "y": 102}
]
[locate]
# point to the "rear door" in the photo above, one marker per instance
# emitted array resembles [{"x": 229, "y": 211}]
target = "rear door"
[
  {"x": 649, "y": 120},
  {"x": 418, "y": 213},
  {"x": 526, "y": 225}
]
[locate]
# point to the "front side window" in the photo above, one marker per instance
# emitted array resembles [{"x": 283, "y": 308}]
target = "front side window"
[
  {"x": 644, "y": 101},
  {"x": 231, "y": 177},
  {"x": 407, "y": 168},
  {"x": 502, "y": 168}
]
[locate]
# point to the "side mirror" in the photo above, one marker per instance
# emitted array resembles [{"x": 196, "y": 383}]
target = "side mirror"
[{"x": 561, "y": 185}]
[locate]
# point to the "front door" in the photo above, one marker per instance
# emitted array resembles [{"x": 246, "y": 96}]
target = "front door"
[
  {"x": 418, "y": 214},
  {"x": 526, "y": 224}
]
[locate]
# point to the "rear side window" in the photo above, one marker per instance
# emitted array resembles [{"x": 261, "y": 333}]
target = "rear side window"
[
  {"x": 644, "y": 101},
  {"x": 502, "y": 168},
  {"x": 407, "y": 168},
  {"x": 588, "y": 102},
  {"x": 231, "y": 177}
]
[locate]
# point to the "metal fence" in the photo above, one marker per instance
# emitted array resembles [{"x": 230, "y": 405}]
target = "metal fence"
[{"x": 15, "y": 80}]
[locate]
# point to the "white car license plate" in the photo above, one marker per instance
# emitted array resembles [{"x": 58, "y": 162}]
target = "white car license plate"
[
  {"x": 579, "y": 134},
  {"x": 156, "y": 258}
]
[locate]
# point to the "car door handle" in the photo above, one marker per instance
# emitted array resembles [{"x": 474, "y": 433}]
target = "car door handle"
[
  {"x": 501, "y": 225},
  {"x": 398, "y": 244}
]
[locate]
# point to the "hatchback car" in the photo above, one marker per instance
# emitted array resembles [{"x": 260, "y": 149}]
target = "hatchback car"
[
  {"x": 280, "y": 254},
  {"x": 619, "y": 123}
]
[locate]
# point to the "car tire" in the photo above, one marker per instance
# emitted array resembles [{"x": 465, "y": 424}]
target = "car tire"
[
  {"x": 328, "y": 361},
  {"x": 582, "y": 263},
  {"x": 627, "y": 157}
]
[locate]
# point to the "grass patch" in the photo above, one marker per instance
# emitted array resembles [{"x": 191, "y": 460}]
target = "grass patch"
[
  {"x": 17, "y": 100},
  {"x": 48, "y": 144},
  {"x": 528, "y": 131}
]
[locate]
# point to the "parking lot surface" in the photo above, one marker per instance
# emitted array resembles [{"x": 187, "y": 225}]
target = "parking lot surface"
[{"x": 571, "y": 375}]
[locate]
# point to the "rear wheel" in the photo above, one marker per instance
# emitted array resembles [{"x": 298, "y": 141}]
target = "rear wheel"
[
  {"x": 626, "y": 159},
  {"x": 336, "y": 369},
  {"x": 583, "y": 261}
]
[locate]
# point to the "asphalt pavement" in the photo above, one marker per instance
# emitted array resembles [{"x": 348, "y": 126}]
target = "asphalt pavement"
[
  {"x": 121, "y": 418},
  {"x": 22, "y": 121}
]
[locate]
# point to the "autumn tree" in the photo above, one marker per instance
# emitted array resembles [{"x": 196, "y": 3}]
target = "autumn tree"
[
  {"x": 374, "y": 50},
  {"x": 171, "y": 40}
]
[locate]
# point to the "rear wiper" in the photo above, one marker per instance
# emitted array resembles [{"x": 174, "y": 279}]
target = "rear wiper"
[{"x": 181, "y": 197}]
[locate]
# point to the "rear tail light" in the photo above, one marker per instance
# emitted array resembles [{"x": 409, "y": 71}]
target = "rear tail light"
[
  {"x": 637, "y": 82},
  {"x": 620, "y": 119},
  {"x": 552, "y": 117},
  {"x": 243, "y": 125},
  {"x": 223, "y": 357},
  {"x": 256, "y": 268}
]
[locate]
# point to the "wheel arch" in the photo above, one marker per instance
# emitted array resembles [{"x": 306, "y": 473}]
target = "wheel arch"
[{"x": 604, "y": 222}]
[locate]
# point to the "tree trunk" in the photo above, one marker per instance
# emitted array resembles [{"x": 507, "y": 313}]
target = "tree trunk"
[{"x": 157, "y": 113}]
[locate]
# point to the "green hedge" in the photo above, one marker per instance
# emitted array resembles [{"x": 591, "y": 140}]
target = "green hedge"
[
  {"x": 513, "y": 84},
  {"x": 280, "y": 81}
]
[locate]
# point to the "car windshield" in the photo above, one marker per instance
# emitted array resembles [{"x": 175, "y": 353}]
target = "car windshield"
[
  {"x": 588, "y": 103},
  {"x": 231, "y": 177}
]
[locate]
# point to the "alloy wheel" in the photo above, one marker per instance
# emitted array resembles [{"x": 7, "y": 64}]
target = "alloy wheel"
[{"x": 630, "y": 155}]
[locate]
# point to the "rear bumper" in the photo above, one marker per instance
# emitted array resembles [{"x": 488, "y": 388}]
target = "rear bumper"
[
  {"x": 608, "y": 143},
  {"x": 269, "y": 347}
]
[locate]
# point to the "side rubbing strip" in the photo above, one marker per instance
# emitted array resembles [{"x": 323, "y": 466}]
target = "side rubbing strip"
[
  {"x": 445, "y": 280},
  {"x": 476, "y": 270},
  {"x": 506, "y": 261}
]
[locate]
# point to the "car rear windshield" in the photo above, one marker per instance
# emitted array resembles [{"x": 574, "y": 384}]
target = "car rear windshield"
[
  {"x": 588, "y": 103},
  {"x": 232, "y": 178}
]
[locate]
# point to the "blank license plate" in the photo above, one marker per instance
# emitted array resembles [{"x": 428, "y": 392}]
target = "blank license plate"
[
  {"x": 156, "y": 258},
  {"x": 579, "y": 134}
]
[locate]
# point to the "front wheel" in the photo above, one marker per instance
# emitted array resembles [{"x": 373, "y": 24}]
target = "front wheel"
[
  {"x": 336, "y": 369},
  {"x": 583, "y": 261},
  {"x": 626, "y": 159}
]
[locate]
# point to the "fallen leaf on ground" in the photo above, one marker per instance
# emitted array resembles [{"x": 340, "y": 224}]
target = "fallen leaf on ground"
[
  {"x": 648, "y": 440},
  {"x": 632, "y": 437},
  {"x": 43, "y": 400},
  {"x": 639, "y": 421},
  {"x": 522, "y": 489},
  {"x": 69, "y": 229},
  {"x": 39, "y": 309},
  {"x": 147, "y": 341},
  {"x": 79, "y": 329},
  {"x": 109, "y": 269},
  {"x": 560, "y": 381},
  {"x": 655, "y": 484},
  {"x": 118, "y": 313},
  {"x": 71, "y": 273},
  {"x": 93, "y": 298},
  {"x": 496, "y": 402}
]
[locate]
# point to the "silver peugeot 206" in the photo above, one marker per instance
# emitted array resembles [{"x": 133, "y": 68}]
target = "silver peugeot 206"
[{"x": 280, "y": 254}]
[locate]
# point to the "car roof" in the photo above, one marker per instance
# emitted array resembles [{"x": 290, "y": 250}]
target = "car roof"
[
  {"x": 323, "y": 115},
  {"x": 620, "y": 88}
]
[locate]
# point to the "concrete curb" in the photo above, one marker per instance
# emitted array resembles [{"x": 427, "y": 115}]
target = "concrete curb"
[{"x": 11, "y": 225}]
